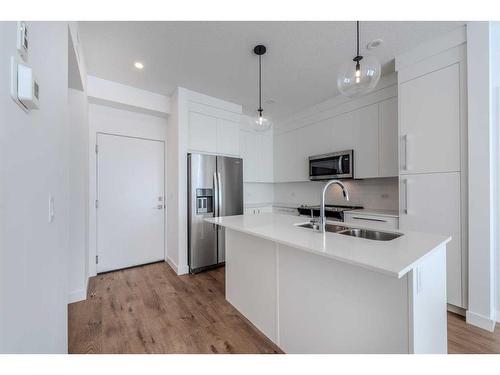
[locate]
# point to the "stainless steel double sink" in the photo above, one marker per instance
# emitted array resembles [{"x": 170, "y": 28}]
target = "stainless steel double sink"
[{"x": 368, "y": 234}]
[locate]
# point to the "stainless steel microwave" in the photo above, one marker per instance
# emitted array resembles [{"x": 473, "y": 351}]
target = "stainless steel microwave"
[{"x": 333, "y": 165}]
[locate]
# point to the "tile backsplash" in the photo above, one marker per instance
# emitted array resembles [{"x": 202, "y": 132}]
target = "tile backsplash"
[{"x": 378, "y": 193}]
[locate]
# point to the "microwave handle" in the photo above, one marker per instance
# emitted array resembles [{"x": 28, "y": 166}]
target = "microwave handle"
[{"x": 340, "y": 165}]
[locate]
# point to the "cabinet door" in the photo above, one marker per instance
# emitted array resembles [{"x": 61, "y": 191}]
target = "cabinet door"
[
  {"x": 388, "y": 138},
  {"x": 228, "y": 137},
  {"x": 288, "y": 159},
  {"x": 430, "y": 122},
  {"x": 202, "y": 132},
  {"x": 371, "y": 221},
  {"x": 266, "y": 157},
  {"x": 365, "y": 133},
  {"x": 249, "y": 153},
  {"x": 431, "y": 203}
]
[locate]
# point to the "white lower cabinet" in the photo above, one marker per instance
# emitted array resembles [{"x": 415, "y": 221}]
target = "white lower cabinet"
[
  {"x": 371, "y": 221},
  {"x": 258, "y": 210},
  {"x": 431, "y": 203}
]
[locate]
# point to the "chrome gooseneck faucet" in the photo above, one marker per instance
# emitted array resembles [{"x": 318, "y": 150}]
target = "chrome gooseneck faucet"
[{"x": 322, "y": 217}]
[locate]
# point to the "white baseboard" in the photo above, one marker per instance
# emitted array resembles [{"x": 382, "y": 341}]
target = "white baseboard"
[
  {"x": 80, "y": 294},
  {"x": 480, "y": 321},
  {"x": 182, "y": 270},
  {"x": 456, "y": 309}
]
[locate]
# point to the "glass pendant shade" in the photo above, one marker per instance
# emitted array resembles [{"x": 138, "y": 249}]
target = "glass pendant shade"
[
  {"x": 261, "y": 123},
  {"x": 353, "y": 81}
]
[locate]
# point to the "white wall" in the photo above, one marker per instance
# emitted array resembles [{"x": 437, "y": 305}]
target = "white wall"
[
  {"x": 380, "y": 193},
  {"x": 34, "y": 165},
  {"x": 261, "y": 194},
  {"x": 104, "y": 119},
  {"x": 482, "y": 178},
  {"x": 495, "y": 76},
  {"x": 78, "y": 195}
]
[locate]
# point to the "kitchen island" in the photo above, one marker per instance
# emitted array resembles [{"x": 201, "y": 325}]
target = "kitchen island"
[{"x": 312, "y": 292}]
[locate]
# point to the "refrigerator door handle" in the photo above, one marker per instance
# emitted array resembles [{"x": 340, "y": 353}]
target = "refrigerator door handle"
[
  {"x": 219, "y": 191},
  {"x": 216, "y": 195}
]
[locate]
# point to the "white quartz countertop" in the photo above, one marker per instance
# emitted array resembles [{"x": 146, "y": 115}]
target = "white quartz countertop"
[{"x": 394, "y": 258}]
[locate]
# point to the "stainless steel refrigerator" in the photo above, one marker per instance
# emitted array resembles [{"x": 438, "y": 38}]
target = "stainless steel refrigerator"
[{"x": 215, "y": 188}]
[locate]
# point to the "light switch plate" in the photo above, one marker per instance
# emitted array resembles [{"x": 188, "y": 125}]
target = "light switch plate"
[{"x": 52, "y": 212}]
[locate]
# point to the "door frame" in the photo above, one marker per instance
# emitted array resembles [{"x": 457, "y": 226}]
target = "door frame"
[{"x": 93, "y": 194}]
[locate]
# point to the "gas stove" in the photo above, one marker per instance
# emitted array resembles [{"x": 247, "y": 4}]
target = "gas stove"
[{"x": 335, "y": 212}]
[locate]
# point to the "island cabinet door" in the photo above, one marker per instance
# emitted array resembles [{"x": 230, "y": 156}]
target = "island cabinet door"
[
  {"x": 326, "y": 306},
  {"x": 251, "y": 284},
  {"x": 428, "y": 315}
]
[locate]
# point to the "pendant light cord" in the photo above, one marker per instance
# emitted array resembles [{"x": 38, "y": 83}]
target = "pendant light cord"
[
  {"x": 260, "y": 85},
  {"x": 357, "y": 38}
]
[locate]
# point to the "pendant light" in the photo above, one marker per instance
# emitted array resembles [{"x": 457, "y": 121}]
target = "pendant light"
[
  {"x": 261, "y": 123},
  {"x": 359, "y": 75}
]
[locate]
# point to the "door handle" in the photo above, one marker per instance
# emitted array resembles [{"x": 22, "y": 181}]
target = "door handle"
[
  {"x": 405, "y": 166},
  {"x": 219, "y": 191},
  {"x": 405, "y": 196},
  {"x": 159, "y": 207},
  {"x": 216, "y": 196}
]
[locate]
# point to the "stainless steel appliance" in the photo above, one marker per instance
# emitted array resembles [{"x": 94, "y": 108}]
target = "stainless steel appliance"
[
  {"x": 333, "y": 165},
  {"x": 335, "y": 213},
  {"x": 215, "y": 188}
]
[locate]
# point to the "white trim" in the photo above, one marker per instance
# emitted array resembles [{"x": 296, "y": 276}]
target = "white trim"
[
  {"x": 480, "y": 321},
  {"x": 131, "y": 97},
  {"x": 127, "y": 107},
  {"x": 80, "y": 294},
  {"x": 456, "y": 309},
  {"x": 386, "y": 89},
  {"x": 178, "y": 270},
  {"x": 431, "y": 48}
]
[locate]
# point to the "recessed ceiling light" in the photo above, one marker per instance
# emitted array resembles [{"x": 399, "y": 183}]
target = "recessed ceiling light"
[
  {"x": 374, "y": 44},
  {"x": 139, "y": 65}
]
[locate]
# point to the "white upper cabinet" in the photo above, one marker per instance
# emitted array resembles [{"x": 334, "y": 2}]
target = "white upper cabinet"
[
  {"x": 371, "y": 131},
  {"x": 257, "y": 153},
  {"x": 202, "y": 132},
  {"x": 365, "y": 135},
  {"x": 228, "y": 139},
  {"x": 388, "y": 138},
  {"x": 429, "y": 108},
  {"x": 213, "y": 130}
]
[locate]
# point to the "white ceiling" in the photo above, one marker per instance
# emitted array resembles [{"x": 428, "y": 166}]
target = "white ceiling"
[{"x": 216, "y": 58}]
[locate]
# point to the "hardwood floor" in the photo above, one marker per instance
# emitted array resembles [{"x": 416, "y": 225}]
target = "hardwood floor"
[{"x": 150, "y": 309}]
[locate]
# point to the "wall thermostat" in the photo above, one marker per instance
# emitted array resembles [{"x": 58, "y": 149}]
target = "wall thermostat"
[
  {"x": 22, "y": 40},
  {"x": 24, "y": 88}
]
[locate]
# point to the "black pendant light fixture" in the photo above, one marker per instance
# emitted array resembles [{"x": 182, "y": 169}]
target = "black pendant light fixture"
[
  {"x": 359, "y": 75},
  {"x": 261, "y": 123}
]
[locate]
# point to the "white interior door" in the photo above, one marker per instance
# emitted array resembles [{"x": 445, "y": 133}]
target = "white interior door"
[{"x": 130, "y": 193}]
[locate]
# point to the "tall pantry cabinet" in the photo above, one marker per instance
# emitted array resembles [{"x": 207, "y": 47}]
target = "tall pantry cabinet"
[{"x": 433, "y": 153}]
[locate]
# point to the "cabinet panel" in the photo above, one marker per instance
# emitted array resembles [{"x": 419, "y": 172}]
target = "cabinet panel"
[
  {"x": 365, "y": 133},
  {"x": 266, "y": 156},
  {"x": 202, "y": 132},
  {"x": 257, "y": 153},
  {"x": 430, "y": 122},
  {"x": 388, "y": 138},
  {"x": 432, "y": 202},
  {"x": 371, "y": 221},
  {"x": 228, "y": 137},
  {"x": 288, "y": 160}
]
